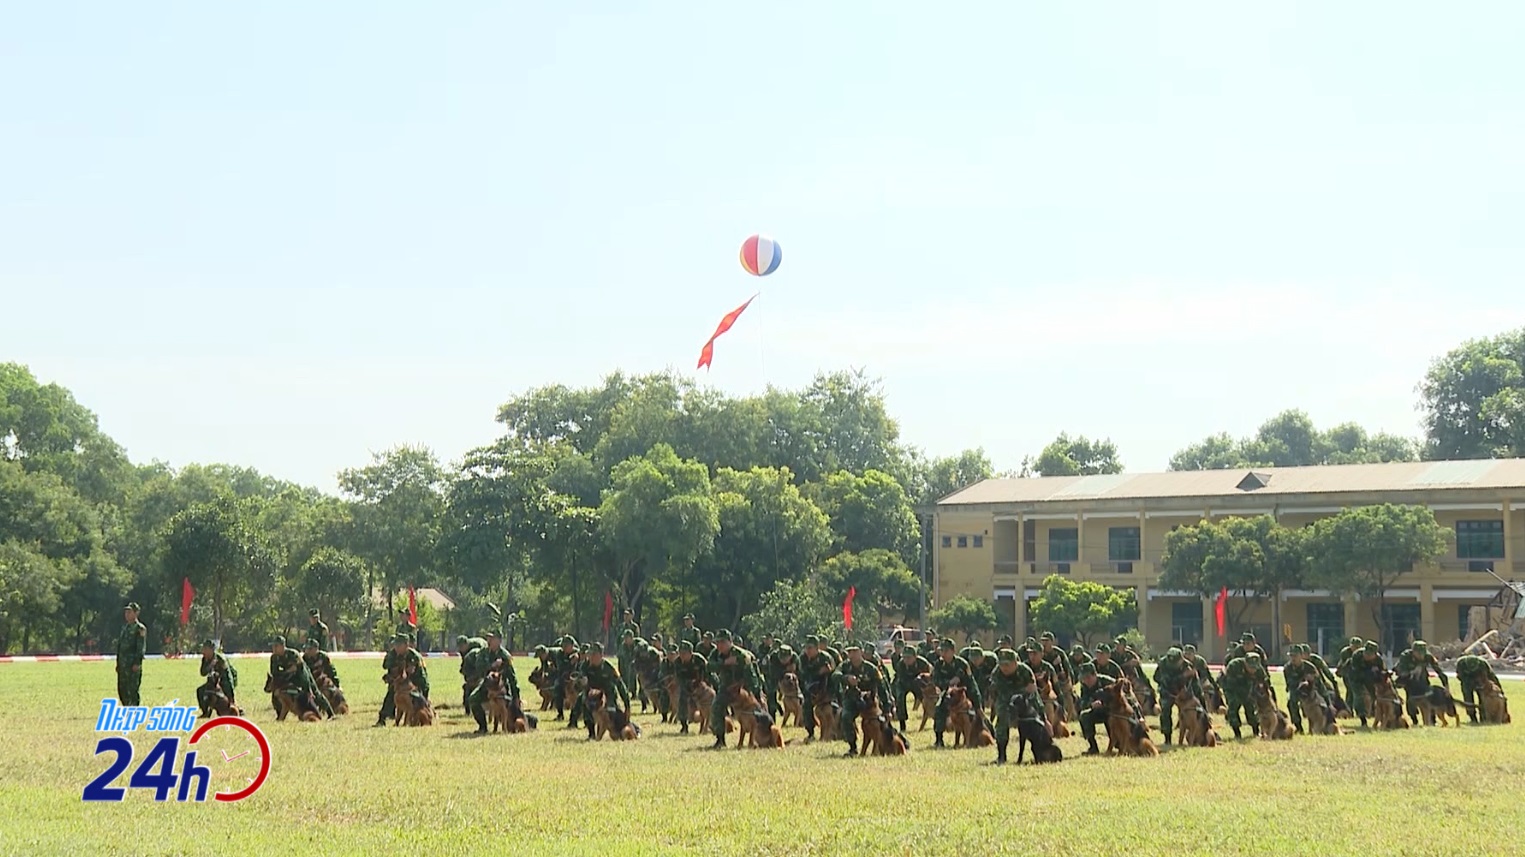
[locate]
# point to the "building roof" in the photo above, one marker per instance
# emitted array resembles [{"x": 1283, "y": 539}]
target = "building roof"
[{"x": 1495, "y": 474}]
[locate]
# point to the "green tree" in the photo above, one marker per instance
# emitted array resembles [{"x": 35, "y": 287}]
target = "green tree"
[
  {"x": 1362, "y": 551},
  {"x": 793, "y": 610},
  {"x": 227, "y": 561},
  {"x": 1083, "y": 608},
  {"x": 881, "y": 579},
  {"x": 1290, "y": 439},
  {"x": 1473, "y": 400},
  {"x": 1256, "y": 559},
  {"x": 965, "y": 614},
  {"x": 867, "y": 512},
  {"x": 947, "y": 475},
  {"x": 399, "y": 506},
  {"x": 769, "y": 532},
  {"x": 334, "y": 582},
  {"x": 46, "y": 430},
  {"x": 658, "y": 519},
  {"x": 1077, "y": 456}
]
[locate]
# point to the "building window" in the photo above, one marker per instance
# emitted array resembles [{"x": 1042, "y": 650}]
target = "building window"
[
  {"x": 947, "y": 541},
  {"x": 1186, "y": 622},
  {"x": 963, "y": 541},
  {"x": 1326, "y": 627},
  {"x": 1064, "y": 544},
  {"x": 1479, "y": 539},
  {"x": 979, "y": 541},
  {"x": 1029, "y": 541},
  {"x": 1123, "y": 544}
]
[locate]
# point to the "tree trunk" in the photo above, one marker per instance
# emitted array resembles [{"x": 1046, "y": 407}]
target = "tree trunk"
[
  {"x": 217, "y": 608},
  {"x": 576, "y": 600},
  {"x": 1276, "y": 641}
]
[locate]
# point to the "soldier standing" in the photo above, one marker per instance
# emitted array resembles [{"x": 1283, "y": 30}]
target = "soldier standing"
[
  {"x": 131, "y": 646},
  {"x": 316, "y": 630}
]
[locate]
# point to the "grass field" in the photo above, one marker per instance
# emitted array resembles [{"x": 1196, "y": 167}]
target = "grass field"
[{"x": 342, "y": 787}]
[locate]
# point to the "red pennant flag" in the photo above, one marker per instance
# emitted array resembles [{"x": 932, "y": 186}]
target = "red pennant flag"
[
  {"x": 412, "y": 607},
  {"x": 1220, "y": 610},
  {"x": 608, "y": 608},
  {"x": 707, "y": 353},
  {"x": 847, "y": 607},
  {"x": 187, "y": 595}
]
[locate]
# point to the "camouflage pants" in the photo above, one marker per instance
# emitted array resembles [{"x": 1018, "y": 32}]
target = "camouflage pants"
[
  {"x": 128, "y": 686},
  {"x": 1238, "y": 701}
]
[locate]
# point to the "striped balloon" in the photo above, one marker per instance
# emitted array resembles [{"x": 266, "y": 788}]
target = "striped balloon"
[{"x": 760, "y": 255}]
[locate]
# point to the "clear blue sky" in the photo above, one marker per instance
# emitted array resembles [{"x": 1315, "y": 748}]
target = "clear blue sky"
[{"x": 287, "y": 236}]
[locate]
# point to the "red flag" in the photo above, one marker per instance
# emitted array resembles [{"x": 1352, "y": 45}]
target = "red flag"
[
  {"x": 1220, "y": 610},
  {"x": 412, "y": 608},
  {"x": 187, "y": 595},
  {"x": 707, "y": 353},
  {"x": 847, "y": 607},
  {"x": 608, "y": 608}
]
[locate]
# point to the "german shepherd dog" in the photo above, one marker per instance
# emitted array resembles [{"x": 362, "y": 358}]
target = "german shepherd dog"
[
  {"x": 791, "y": 702},
  {"x": 332, "y": 692},
  {"x": 1143, "y": 692},
  {"x": 1386, "y": 707},
  {"x": 1051, "y": 710},
  {"x": 701, "y": 699},
  {"x": 1033, "y": 730},
  {"x": 878, "y": 734},
  {"x": 744, "y": 708},
  {"x": 409, "y": 705},
  {"x": 1127, "y": 734},
  {"x": 928, "y": 695},
  {"x": 1320, "y": 715},
  {"x": 217, "y": 698},
  {"x": 765, "y": 733},
  {"x": 1495, "y": 706},
  {"x": 1436, "y": 704},
  {"x": 289, "y": 700},
  {"x": 970, "y": 729},
  {"x": 1274, "y": 723},
  {"x": 497, "y": 701},
  {"x": 609, "y": 721},
  {"x": 546, "y": 685},
  {"x": 826, "y": 712},
  {"x": 1195, "y": 728}
]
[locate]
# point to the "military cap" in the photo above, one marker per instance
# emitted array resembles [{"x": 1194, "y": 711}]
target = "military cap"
[
  {"x": 312, "y": 612},
  {"x": 494, "y": 634},
  {"x": 688, "y": 617},
  {"x": 909, "y": 653},
  {"x": 853, "y": 647},
  {"x": 974, "y": 642},
  {"x": 1173, "y": 652},
  {"x": 1420, "y": 645},
  {"x": 1302, "y": 648},
  {"x": 460, "y": 640},
  {"x": 628, "y": 633},
  {"x": 709, "y": 635},
  {"x": 595, "y": 648},
  {"x": 1104, "y": 648},
  {"x": 1088, "y": 668},
  {"x": 1046, "y": 635},
  {"x": 786, "y": 649},
  {"x": 946, "y": 645},
  {"x": 586, "y": 647},
  {"x": 278, "y": 640},
  {"x": 1030, "y": 639},
  {"x": 131, "y": 605},
  {"x": 769, "y": 635},
  {"x": 1357, "y": 641},
  {"x": 685, "y": 646},
  {"x": 812, "y": 640},
  {"x": 1004, "y": 639},
  {"x": 1247, "y": 637},
  {"x": 655, "y": 636},
  {"x": 1121, "y": 640},
  {"x": 1371, "y": 646},
  {"x": 1254, "y": 656},
  {"x": 569, "y": 640},
  {"x": 722, "y": 634},
  {"x": 629, "y": 612},
  {"x": 1006, "y": 656},
  {"x": 208, "y": 644},
  {"x": 1189, "y": 648},
  {"x": 311, "y": 643},
  {"x": 540, "y": 650}
]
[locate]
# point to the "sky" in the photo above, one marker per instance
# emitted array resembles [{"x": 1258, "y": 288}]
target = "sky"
[{"x": 289, "y": 237}]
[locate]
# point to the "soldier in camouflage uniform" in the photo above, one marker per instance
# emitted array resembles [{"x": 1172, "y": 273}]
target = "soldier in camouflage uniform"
[
  {"x": 1242, "y": 674},
  {"x": 731, "y": 667},
  {"x": 471, "y": 671},
  {"x": 401, "y": 656},
  {"x": 219, "y": 673},
  {"x": 907, "y": 667},
  {"x": 1413, "y": 669},
  {"x": 690, "y": 632},
  {"x": 485, "y": 660},
  {"x": 288, "y": 666},
  {"x": 316, "y": 630},
  {"x": 629, "y": 674},
  {"x": 1059, "y": 662},
  {"x": 815, "y": 671},
  {"x": 1472, "y": 671},
  {"x": 565, "y": 660},
  {"x": 1093, "y": 711},
  {"x": 1012, "y": 678},
  {"x": 1300, "y": 668},
  {"x": 1104, "y": 663},
  {"x": 948, "y": 669},
  {"x": 689, "y": 669},
  {"x": 854, "y": 677},
  {"x": 318, "y": 663},
  {"x": 602, "y": 676},
  {"x": 1246, "y": 645},
  {"x": 1170, "y": 677},
  {"x": 131, "y": 648},
  {"x": 628, "y": 624},
  {"x": 780, "y": 662}
]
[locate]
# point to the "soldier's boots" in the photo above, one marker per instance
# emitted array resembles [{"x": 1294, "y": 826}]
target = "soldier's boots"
[
  {"x": 852, "y": 749},
  {"x": 683, "y": 730},
  {"x": 1472, "y": 714},
  {"x": 939, "y": 740},
  {"x": 1237, "y": 734},
  {"x": 1092, "y": 749},
  {"x": 1000, "y": 753},
  {"x": 719, "y": 743}
]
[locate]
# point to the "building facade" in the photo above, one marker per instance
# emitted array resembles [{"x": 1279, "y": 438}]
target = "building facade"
[{"x": 1000, "y": 538}]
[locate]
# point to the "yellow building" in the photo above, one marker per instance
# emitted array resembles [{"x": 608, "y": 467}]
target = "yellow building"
[{"x": 1000, "y": 538}]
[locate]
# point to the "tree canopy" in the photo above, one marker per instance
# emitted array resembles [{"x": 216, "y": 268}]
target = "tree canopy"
[{"x": 1290, "y": 439}]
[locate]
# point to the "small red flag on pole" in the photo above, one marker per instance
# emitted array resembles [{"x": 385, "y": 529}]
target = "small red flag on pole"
[
  {"x": 847, "y": 607},
  {"x": 412, "y": 607},
  {"x": 608, "y": 608},
  {"x": 1220, "y": 610},
  {"x": 707, "y": 353},
  {"x": 187, "y": 595}
]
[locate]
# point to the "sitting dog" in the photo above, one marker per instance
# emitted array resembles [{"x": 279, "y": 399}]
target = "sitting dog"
[
  {"x": 1195, "y": 728},
  {"x": 745, "y": 708},
  {"x": 765, "y": 732},
  {"x": 1436, "y": 704},
  {"x": 1033, "y": 730},
  {"x": 333, "y": 693},
  {"x": 546, "y": 685},
  {"x": 1319, "y": 714},
  {"x": 1275, "y": 725},
  {"x": 288, "y": 700},
  {"x": 409, "y": 705},
  {"x": 1127, "y": 734},
  {"x": 791, "y": 702},
  {"x": 497, "y": 702},
  {"x": 878, "y": 734},
  {"x": 1386, "y": 707},
  {"x": 967, "y": 721},
  {"x": 1495, "y": 706}
]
